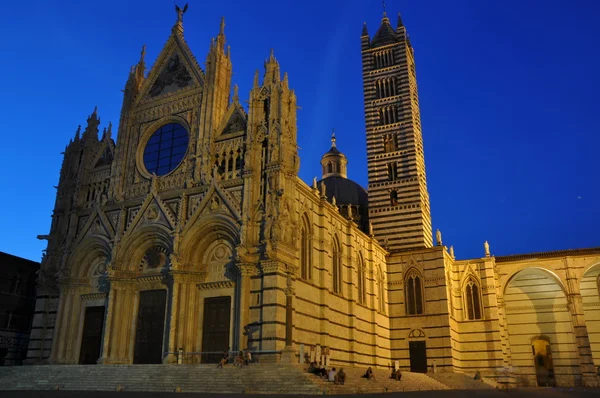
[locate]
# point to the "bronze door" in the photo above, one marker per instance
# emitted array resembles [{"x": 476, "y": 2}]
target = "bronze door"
[
  {"x": 150, "y": 327},
  {"x": 418, "y": 356},
  {"x": 215, "y": 328},
  {"x": 91, "y": 338}
]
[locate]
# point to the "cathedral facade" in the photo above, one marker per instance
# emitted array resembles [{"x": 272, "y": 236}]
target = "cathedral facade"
[{"x": 193, "y": 234}]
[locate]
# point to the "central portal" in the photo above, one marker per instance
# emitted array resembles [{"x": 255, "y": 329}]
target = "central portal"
[
  {"x": 150, "y": 327},
  {"x": 215, "y": 335}
]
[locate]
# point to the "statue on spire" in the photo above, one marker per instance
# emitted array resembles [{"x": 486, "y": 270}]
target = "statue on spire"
[
  {"x": 180, "y": 12},
  {"x": 333, "y": 138}
]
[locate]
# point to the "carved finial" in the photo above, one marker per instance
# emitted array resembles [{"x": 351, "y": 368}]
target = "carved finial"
[
  {"x": 109, "y": 131},
  {"x": 256, "y": 82},
  {"x": 364, "y": 31},
  {"x": 371, "y": 229},
  {"x": 399, "y": 24},
  {"x": 143, "y": 54},
  {"x": 438, "y": 237},
  {"x": 95, "y": 111},
  {"x": 486, "y": 247},
  {"x": 323, "y": 189},
  {"x": 314, "y": 185},
  {"x": 384, "y": 10},
  {"x": 333, "y": 200},
  {"x": 333, "y": 138},
  {"x": 285, "y": 80},
  {"x": 452, "y": 251},
  {"x": 222, "y": 28},
  {"x": 103, "y": 133},
  {"x": 236, "y": 93},
  {"x": 78, "y": 133},
  {"x": 272, "y": 56}
]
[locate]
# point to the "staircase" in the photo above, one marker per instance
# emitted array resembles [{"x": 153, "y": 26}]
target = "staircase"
[
  {"x": 255, "y": 379},
  {"x": 356, "y": 384},
  {"x": 460, "y": 381}
]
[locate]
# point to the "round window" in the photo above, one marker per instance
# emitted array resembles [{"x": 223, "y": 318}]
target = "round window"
[{"x": 165, "y": 149}]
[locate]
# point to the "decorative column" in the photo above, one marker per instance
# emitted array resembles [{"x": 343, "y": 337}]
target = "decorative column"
[
  {"x": 588, "y": 373},
  {"x": 182, "y": 312},
  {"x": 288, "y": 355},
  {"x": 246, "y": 270},
  {"x": 120, "y": 318}
]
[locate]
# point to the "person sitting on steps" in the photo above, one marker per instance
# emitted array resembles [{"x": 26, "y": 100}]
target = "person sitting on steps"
[
  {"x": 224, "y": 360},
  {"x": 322, "y": 371},
  {"x": 331, "y": 376},
  {"x": 340, "y": 377},
  {"x": 239, "y": 360},
  {"x": 369, "y": 375}
]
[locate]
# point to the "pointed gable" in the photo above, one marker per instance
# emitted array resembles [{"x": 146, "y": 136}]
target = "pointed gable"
[
  {"x": 234, "y": 121},
  {"x": 175, "y": 69}
]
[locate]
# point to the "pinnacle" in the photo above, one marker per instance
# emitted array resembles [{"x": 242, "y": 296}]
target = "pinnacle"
[{"x": 364, "y": 31}]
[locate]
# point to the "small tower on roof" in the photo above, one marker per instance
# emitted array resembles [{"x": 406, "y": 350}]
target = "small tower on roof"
[{"x": 333, "y": 162}]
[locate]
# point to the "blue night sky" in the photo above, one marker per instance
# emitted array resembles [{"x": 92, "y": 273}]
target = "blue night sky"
[{"x": 508, "y": 93}]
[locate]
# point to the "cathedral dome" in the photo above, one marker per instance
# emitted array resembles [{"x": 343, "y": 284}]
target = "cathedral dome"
[{"x": 350, "y": 197}]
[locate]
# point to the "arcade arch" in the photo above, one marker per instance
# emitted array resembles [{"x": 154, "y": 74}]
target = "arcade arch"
[{"x": 536, "y": 305}]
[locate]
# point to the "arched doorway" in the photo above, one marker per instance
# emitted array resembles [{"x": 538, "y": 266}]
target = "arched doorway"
[
  {"x": 540, "y": 330},
  {"x": 542, "y": 358},
  {"x": 418, "y": 351}
]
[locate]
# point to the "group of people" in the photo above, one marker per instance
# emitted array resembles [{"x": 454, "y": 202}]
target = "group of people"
[
  {"x": 335, "y": 376},
  {"x": 339, "y": 377},
  {"x": 244, "y": 358}
]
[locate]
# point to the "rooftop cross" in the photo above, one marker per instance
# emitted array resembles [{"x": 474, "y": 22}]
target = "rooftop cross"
[{"x": 333, "y": 138}]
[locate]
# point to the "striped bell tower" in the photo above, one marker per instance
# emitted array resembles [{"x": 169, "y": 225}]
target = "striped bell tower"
[{"x": 398, "y": 198}]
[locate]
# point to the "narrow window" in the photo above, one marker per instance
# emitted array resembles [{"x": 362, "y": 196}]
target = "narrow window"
[
  {"x": 392, "y": 171},
  {"x": 337, "y": 269},
  {"x": 414, "y": 294},
  {"x": 473, "y": 301},
  {"x": 393, "y": 197},
  {"x": 304, "y": 272},
  {"x": 362, "y": 294}
]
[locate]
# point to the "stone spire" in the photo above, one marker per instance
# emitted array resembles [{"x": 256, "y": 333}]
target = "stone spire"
[
  {"x": 91, "y": 131},
  {"x": 365, "y": 32}
]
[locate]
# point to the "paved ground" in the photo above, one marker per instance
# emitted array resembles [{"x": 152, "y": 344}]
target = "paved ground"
[{"x": 564, "y": 392}]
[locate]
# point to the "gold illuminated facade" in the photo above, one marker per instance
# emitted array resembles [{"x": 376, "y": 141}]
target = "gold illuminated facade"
[{"x": 193, "y": 233}]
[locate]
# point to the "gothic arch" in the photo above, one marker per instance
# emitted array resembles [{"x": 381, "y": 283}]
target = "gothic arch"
[
  {"x": 134, "y": 247},
  {"x": 90, "y": 254},
  {"x": 199, "y": 240}
]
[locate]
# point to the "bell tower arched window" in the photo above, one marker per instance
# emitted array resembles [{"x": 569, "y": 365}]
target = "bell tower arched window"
[
  {"x": 473, "y": 299},
  {"x": 414, "y": 293}
]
